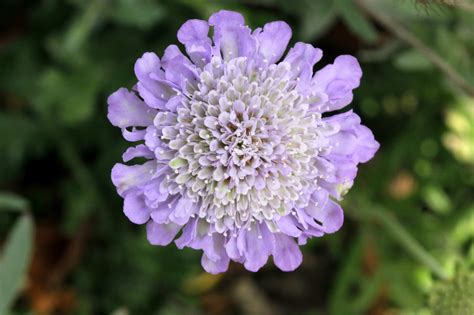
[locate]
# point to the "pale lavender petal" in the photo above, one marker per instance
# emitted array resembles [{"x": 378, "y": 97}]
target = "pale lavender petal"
[
  {"x": 126, "y": 110},
  {"x": 193, "y": 31},
  {"x": 189, "y": 234},
  {"x": 139, "y": 151},
  {"x": 338, "y": 80},
  {"x": 183, "y": 211},
  {"x": 331, "y": 217},
  {"x": 134, "y": 135},
  {"x": 257, "y": 246},
  {"x": 126, "y": 177},
  {"x": 272, "y": 41},
  {"x": 135, "y": 208},
  {"x": 289, "y": 226},
  {"x": 161, "y": 234},
  {"x": 194, "y": 35},
  {"x": 215, "y": 266},
  {"x": 148, "y": 69},
  {"x": 224, "y": 17},
  {"x": 286, "y": 253}
]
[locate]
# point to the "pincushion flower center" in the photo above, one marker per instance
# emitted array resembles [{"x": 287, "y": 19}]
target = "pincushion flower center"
[{"x": 244, "y": 141}]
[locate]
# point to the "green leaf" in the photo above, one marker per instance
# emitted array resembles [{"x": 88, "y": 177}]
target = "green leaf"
[
  {"x": 69, "y": 95},
  {"x": 9, "y": 201},
  {"x": 412, "y": 60},
  {"x": 437, "y": 199},
  {"x": 317, "y": 17},
  {"x": 141, "y": 13},
  {"x": 356, "y": 22},
  {"x": 14, "y": 261}
]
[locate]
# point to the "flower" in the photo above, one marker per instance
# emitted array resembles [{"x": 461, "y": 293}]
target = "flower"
[{"x": 240, "y": 161}]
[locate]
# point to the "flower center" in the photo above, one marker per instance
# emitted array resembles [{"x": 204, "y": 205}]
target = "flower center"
[{"x": 244, "y": 144}]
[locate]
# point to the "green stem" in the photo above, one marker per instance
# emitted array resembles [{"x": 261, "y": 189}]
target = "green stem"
[{"x": 405, "y": 239}]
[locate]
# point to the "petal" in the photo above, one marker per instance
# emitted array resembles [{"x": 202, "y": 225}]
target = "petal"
[
  {"x": 174, "y": 102},
  {"x": 303, "y": 54},
  {"x": 192, "y": 31},
  {"x": 215, "y": 266},
  {"x": 161, "y": 213},
  {"x": 338, "y": 80},
  {"x": 288, "y": 225},
  {"x": 126, "y": 110},
  {"x": 183, "y": 211},
  {"x": 367, "y": 145},
  {"x": 138, "y": 151},
  {"x": 270, "y": 48},
  {"x": 161, "y": 234},
  {"x": 147, "y": 64},
  {"x": 194, "y": 35},
  {"x": 237, "y": 41},
  {"x": 302, "y": 58},
  {"x": 154, "y": 92},
  {"x": 258, "y": 244},
  {"x": 233, "y": 251},
  {"x": 126, "y": 177},
  {"x": 353, "y": 139},
  {"x": 331, "y": 216},
  {"x": 189, "y": 234},
  {"x": 286, "y": 253},
  {"x": 152, "y": 192},
  {"x": 134, "y": 135},
  {"x": 225, "y": 17},
  {"x": 135, "y": 208},
  {"x": 178, "y": 69},
  {"x": 231, "y": 36}
]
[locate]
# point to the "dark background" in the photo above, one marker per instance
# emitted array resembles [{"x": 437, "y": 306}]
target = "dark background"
[{"x": 409, "y": 228}]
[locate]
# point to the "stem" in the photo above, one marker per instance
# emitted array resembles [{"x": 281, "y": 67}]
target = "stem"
[
  {"x": 401, "y": 32},
  {"x": 410, "y": 244}
]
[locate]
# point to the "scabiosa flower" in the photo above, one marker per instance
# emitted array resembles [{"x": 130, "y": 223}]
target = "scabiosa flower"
[{"x": 243, "y": 157}]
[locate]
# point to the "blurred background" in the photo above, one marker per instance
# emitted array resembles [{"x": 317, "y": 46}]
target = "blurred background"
[{"x": 407, "y": 245}]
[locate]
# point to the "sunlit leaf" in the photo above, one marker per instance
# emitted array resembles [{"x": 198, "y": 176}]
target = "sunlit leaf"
[
  {"x": 14, "y": 261},
  {"x": 9, "y": 201}
]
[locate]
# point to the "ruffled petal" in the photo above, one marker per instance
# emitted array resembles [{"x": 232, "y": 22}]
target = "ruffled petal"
[
  {"x": 233, "y": 251},
  {"x": 161, "y": 234},
  {"x": 189, "y": 234},
  {"x": 288, "y": 225},
  {"x": 353, "y": 139},
  {"x": 331, "y": 217},
  {"x": 256, "y": 245},
  {"x": 125, "y": 177},
  {"x": 183, "y": 211},
  {"x": 338, "y": 80},
  {"x": 214, "y": 259},
  {"x": 135, "y": 208},
  {"x": 154, "y": 92},
  {"x": 215, "y": 266},
  {"x": 231, "y": 37},
  {"x": 286, "y": 253},
  {"x": 126, "y": 110},
  {"x": 134, "y": 135},
  {"x": 272, "y": 41},
  {"x": 194, "y": 36},
  {"x": 193, "y": 31},
  {"x": 225, "y": 17},
  {"x": 139, "y": 151},
  {"x": 302, "y": 55}
]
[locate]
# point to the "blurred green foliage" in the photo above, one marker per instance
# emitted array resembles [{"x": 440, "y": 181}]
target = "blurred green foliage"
[{"x": 409, "y": 218}]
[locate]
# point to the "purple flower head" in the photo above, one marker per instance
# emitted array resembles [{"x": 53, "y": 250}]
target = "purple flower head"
[{"x": 240, "y": 161}]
